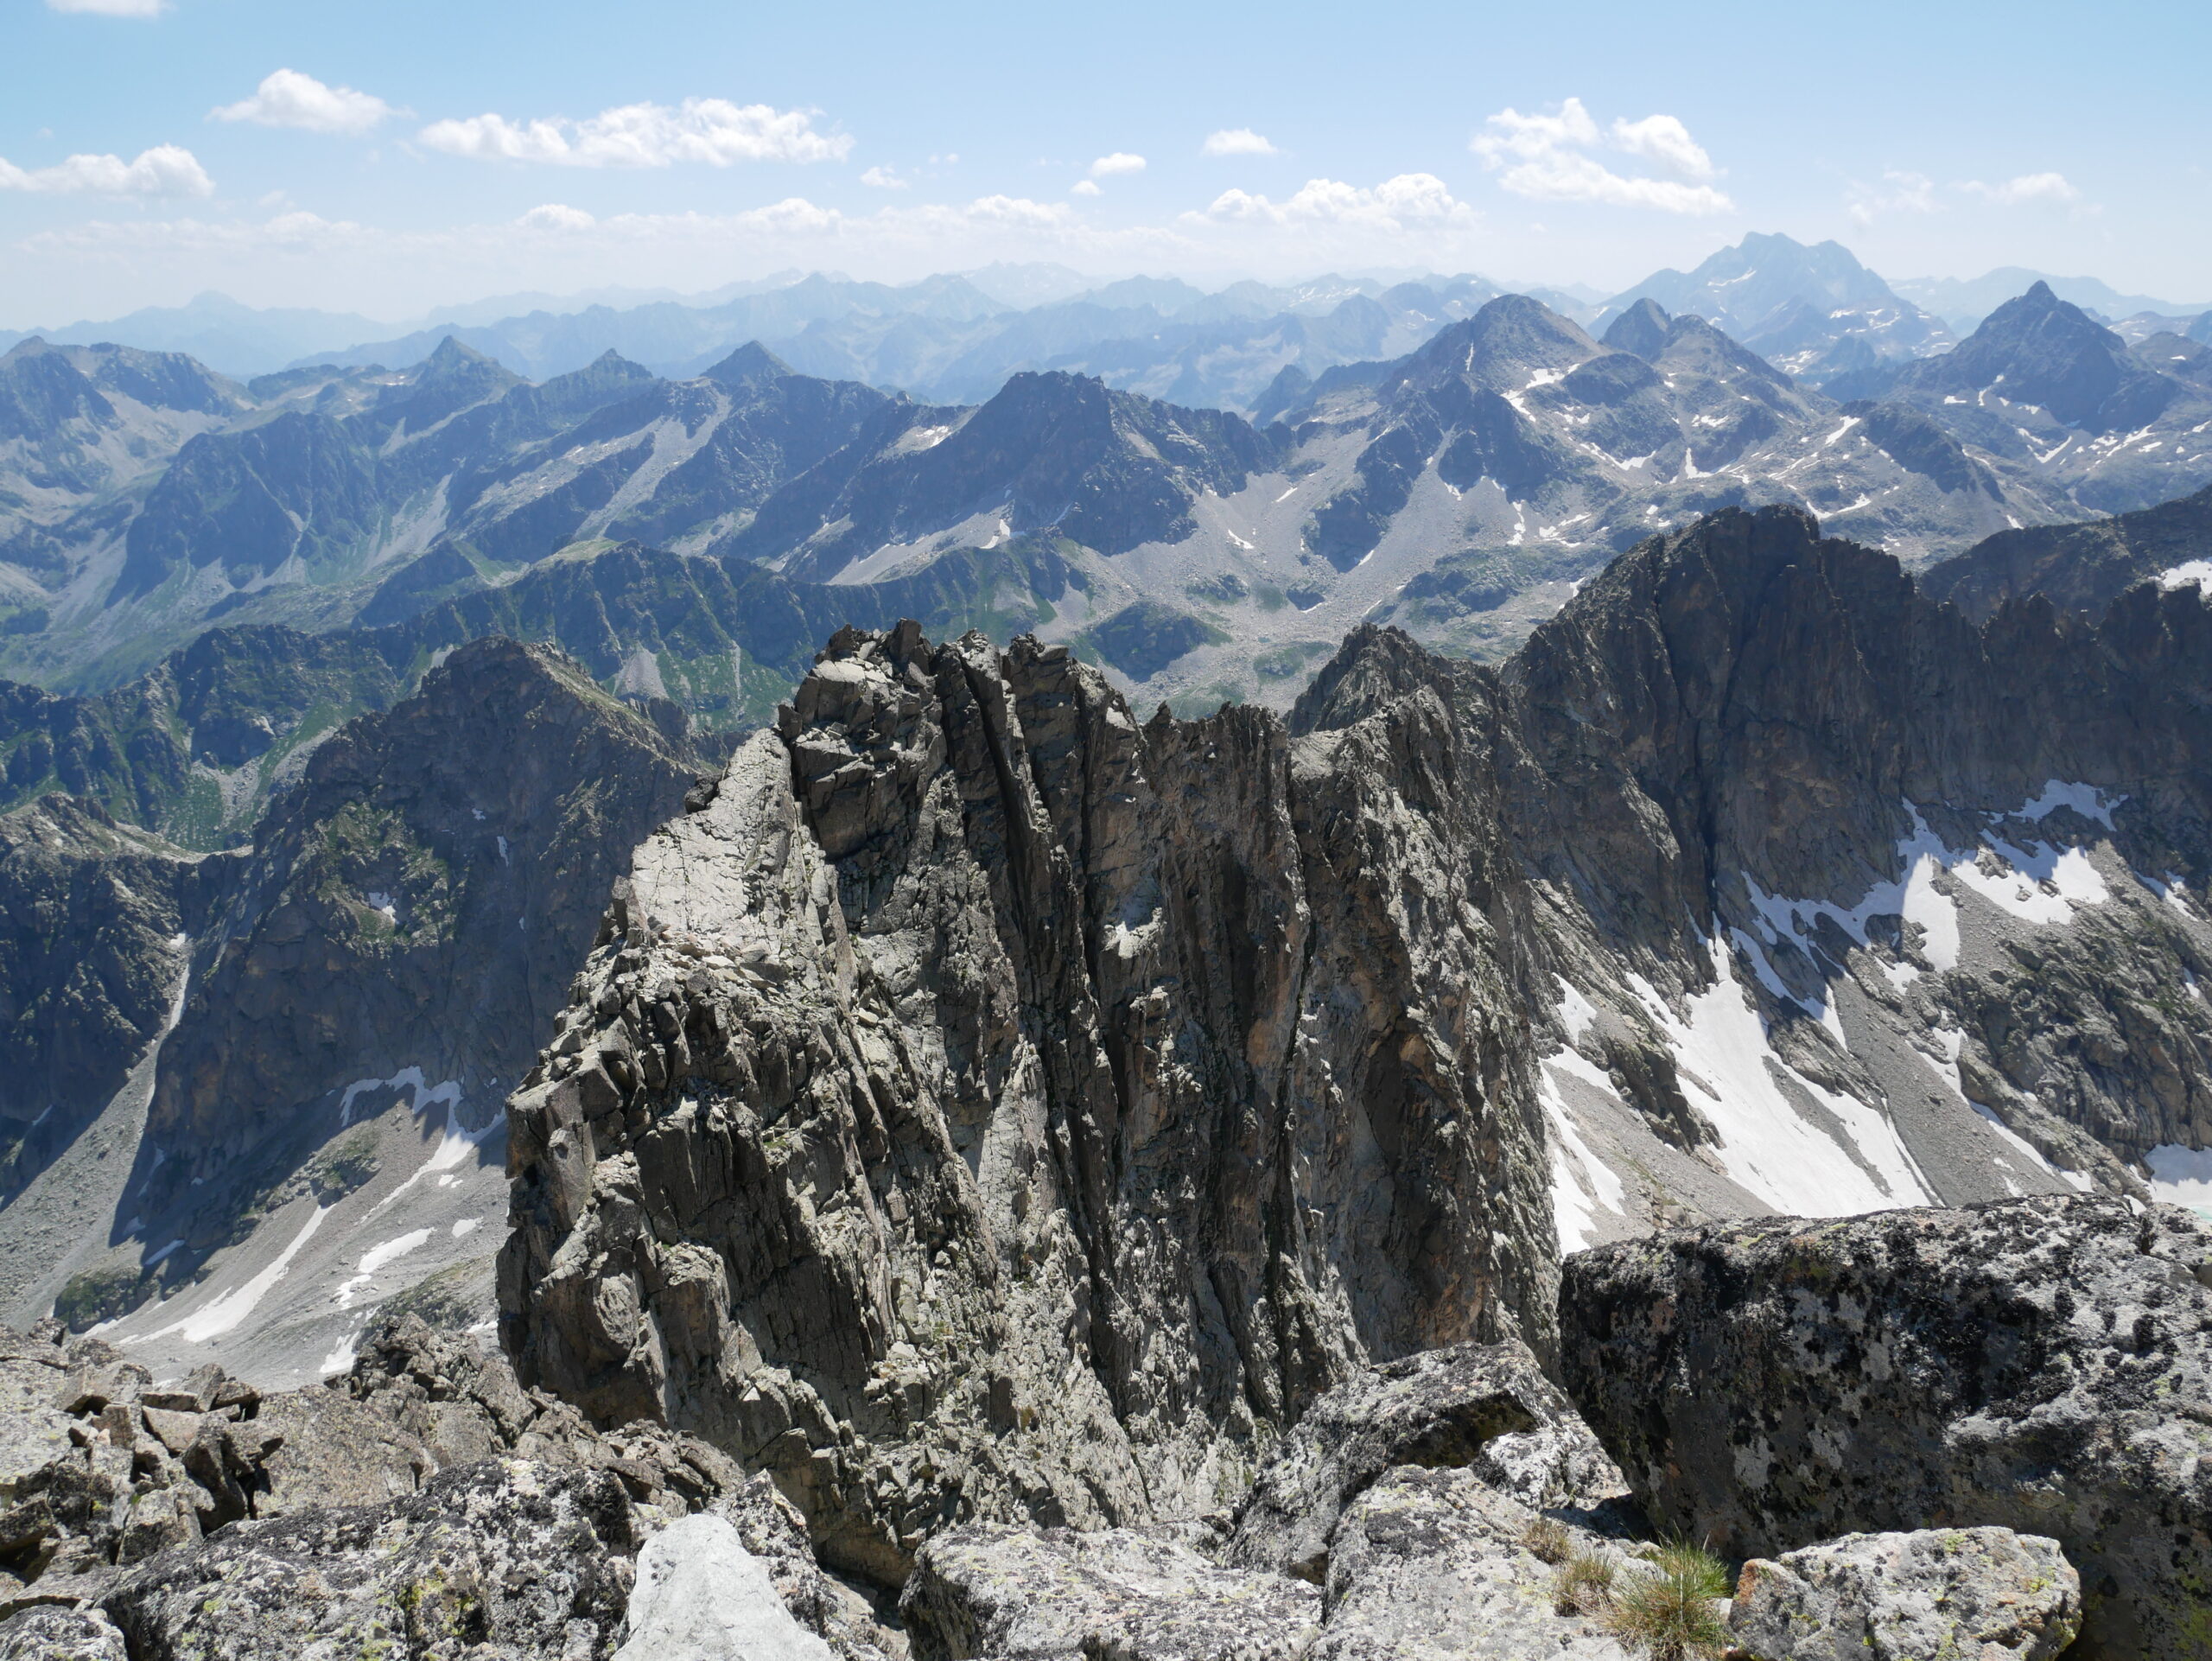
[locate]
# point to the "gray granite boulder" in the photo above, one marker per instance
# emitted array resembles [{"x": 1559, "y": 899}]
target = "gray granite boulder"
[
  {"x": 54, "y": 1633},
  {"x": 1428, "y": 1563},
  {"x": 2043, "y": 1365},
  {"x": 702, "y": 1596},
  {"x": 1939, "y": 1594},
  {"x": 1026, "y": 1594},
  {"x": 1487, "y": 1406},
  {"x": 520, "y": 1559}
]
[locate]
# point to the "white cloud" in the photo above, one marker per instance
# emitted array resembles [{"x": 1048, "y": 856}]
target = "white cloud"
[
  {"x": 1408, "y": 199},
  {"x": 164, "y": 170},
  {"x": 1664, "y": 139},
  {"x": 1236, "y": 141},
  {"x": 1898, "y": 193},
  {"x": 1086, "y": 187},
  {"x": 557, "y": 216},
  {"x": 2028, "y": 187},
  {"x": 1119, "y": 162},
  {"x": 1548, "y": 157},
  {"x": 111, "y": 8},
  {"x": 884, "y": 179},
  {"x": 288, "y": 99},
  {"x": 708, "y": 129}
]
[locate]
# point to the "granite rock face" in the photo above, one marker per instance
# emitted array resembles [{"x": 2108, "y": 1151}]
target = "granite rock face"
[
  {"x": 1980, "y": 1594},
  {"x": 2040, "y": 1364},
  {"x": 423, "y": 1500},
  {"x": 985, "y": 1107},
  {"x": 55, "y": 1633}
]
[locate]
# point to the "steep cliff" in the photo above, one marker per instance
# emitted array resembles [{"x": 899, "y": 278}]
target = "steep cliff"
[{"x": 985, "y": 1106}]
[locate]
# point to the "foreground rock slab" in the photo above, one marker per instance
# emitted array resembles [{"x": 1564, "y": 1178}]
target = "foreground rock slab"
[
  {"x": 526, "y": 1560},
  {"x": 1975, "y": 1594},
  {"x": 2042, "y": 1364},
  {"x": 1022, "y": 1594},
  {"x": 701, "y": 1596},
  {"x": 1428, "y": 1564},
  {"x": 1485, "y": 1405}
]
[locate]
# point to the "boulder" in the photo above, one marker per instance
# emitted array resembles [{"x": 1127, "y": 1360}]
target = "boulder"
[
  {"x": 1429, "y": 1563},
  {"x": 507, "y": 1559},
  {"x": 1936, "y": 1594},
  {"x": 335, "y": 1451},
  {"x": 1135, "y": 1595},
  {"x": 1483, "y": 1405},
  {"x": 2042, "y": 1364},
  {"x": 59, "y": 1634},
  {"x": 702, "y": 1596}
]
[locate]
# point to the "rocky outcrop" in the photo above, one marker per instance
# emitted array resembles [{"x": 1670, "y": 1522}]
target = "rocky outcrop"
[
  {"x": 531, "y": 1560},
  {"x": 984, "y": 1107},
  {"x": 1434, "y": 1562},
  {"x": 700, "y": 1595},
  {"x": 1387, "y": 1498},
  {"x": 2039, "y": 1365},
  {"x": 1486, "y": 1406},
  {"x": 1056, "y": 1595},
  {"x": 1981, "y": 1595},
  {"x": 423, "y": 1498}
]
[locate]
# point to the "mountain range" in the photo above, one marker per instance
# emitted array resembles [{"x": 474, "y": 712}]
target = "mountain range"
[{"x": 1460, "y": 491}]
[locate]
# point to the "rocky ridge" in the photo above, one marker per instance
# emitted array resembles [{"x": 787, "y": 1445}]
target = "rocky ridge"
[{"x": 1119, "y": 1089}]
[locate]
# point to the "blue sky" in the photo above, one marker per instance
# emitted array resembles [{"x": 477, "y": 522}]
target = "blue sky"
[{"x": 420, "y": 154}]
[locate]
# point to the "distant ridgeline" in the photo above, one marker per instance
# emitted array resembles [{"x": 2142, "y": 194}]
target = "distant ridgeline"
[{"x": 695, "y": 538}]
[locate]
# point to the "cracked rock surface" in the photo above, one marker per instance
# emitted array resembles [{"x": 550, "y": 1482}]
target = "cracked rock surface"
[
  {"x": 2042, "y": 1364},
  {"x": 1980, "y": 1594},
  {"x": 986, "y": 1108}
]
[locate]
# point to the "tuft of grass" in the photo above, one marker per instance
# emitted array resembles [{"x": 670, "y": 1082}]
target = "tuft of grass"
[
  {"x": 1547, "y": 1536},
  {"x": 1584, "y": 1585},
  {"x": 1672, "y": 1612}
]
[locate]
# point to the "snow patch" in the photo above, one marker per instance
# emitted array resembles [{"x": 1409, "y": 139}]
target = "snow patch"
[
  {"x": 1576, "y": 1012},
  {"x": 1730, "y": 1071},
  {"x": 2182, "y": 1176},
  {"x": 1580, "y": 1180},
  {"x": 222, "y": 1314}
]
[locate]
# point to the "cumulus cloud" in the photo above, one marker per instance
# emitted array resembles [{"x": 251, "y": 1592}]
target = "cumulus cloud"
[
  {"x": 2028, "y": 187},
  {"x": 288, "y": 99},
  {"x": 1086, "y": 187},
  {"x": 1410, "y": 199},
  {"x": 712, "y": 130},
  {"x": 883, "y": 179},
  {"x": 1898, "y": 193},
  {"x": 1119, "y": 162},
  {"x": 164, "y": 170},
  {"x": 1549, "y": 156},
  {"x": 1236, "y": 141},
  {"x": 557, "y": 216},
  {"x": 111, "y": 8},
  {"x": 1664, "y": 139}
]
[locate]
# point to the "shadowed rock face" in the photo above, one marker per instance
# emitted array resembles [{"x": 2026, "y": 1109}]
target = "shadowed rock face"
[
  {"x": 2039, "y": 1365},
  {"x": 985, "y": 1106}
]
